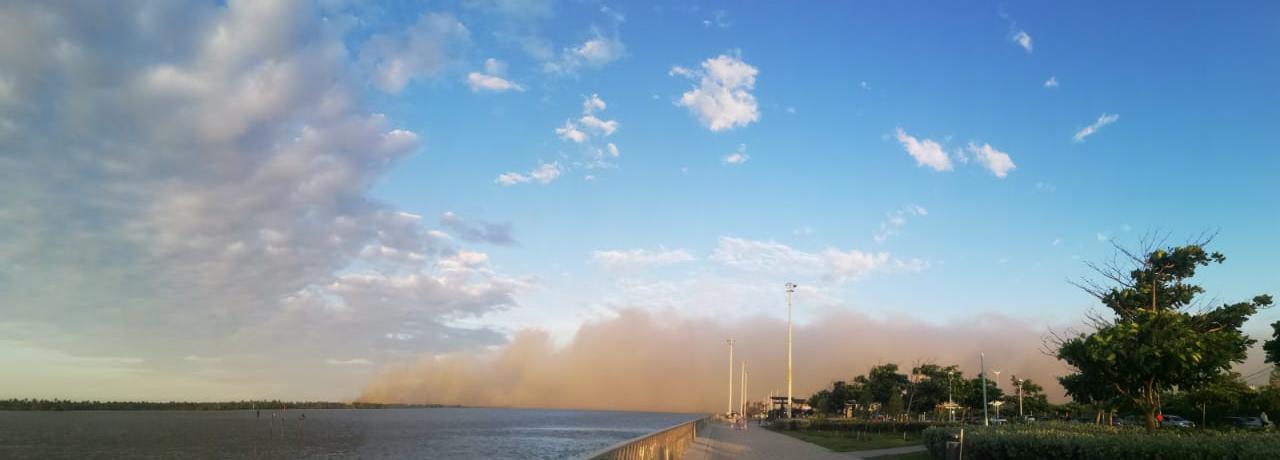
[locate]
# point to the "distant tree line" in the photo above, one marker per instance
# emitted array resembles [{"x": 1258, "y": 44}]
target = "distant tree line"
[
  {"x": 928, "y": 389},
  {"x": 69, "y": 405}
]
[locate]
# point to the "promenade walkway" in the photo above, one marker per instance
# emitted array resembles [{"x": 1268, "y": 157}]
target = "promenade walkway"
[{"x": 721, "y": 442}]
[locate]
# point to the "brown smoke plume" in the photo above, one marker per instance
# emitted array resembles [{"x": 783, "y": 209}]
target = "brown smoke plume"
[{"x": 644, "y": 361}]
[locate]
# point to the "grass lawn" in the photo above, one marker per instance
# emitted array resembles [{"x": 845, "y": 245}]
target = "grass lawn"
[
  {"x": 841, "y": 441},
  {"x": 911, "y": 456}
]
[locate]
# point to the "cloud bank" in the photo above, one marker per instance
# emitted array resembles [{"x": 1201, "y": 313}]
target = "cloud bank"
[
  {"x": 665, "y": 362},
  {"x": 192, "y": 182}
]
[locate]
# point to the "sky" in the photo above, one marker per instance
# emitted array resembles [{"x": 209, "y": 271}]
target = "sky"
[{"x": 311, "y": 200}]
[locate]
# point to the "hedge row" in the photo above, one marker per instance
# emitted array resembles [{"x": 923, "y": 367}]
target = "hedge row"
[
  {"x": 858, "y": 426},
  {"x": 1091, "y": 442}
]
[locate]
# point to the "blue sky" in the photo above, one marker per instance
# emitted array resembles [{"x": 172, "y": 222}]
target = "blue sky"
[
  {"x": 1188, "y": 83},
  {"x": 374, "y": 183}
]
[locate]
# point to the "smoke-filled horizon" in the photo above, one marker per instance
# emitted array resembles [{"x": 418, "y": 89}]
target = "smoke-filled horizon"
[{"x": 640, "y": 360}]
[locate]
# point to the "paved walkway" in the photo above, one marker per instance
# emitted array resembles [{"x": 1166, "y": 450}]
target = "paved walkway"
[{"x": 719, "y": 441}]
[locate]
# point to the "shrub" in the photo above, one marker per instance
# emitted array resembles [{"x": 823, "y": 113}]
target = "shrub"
[
  {"x": 859, "y": 426},
  {"x": 1090, "y": 442}
]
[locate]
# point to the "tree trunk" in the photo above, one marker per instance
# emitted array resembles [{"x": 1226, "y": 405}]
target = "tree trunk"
[{"x": 1151, "y": 418}]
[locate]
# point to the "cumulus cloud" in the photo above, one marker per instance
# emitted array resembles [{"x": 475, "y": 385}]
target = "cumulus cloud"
[
  {"x": 1022, "y": 39},
  {"x": 492, "y": 79},
  {"x": 196, "y": 184},
  {"x": 594, "y": 53},
  {"x": 588, "y": 125},
  {"x": 422, "y": 50},
  {"x": 926, "y": 152},
  {"x": 486, "y": 232},
  {"x": 639, "y": 258},
  {"x": 894, "y": 222},
  {"x": 586, "y": 373},
  {"x": 722, "y": 99},
  {"x": 737, "y": 157},
  {"x": 570, "y": 132},
  {"x": 1087, "y": 131},
  {"x": 994, "y": 160},
  {"x": 543, "y": 174},
  {"x": 1052, "y": 82}
]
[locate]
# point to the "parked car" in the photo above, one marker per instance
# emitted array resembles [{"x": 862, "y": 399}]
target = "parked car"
[
  {"x": 1248, "y": 423},
  {"x": 1177, "y": 422},
  {"x": 998, "y": 420}
]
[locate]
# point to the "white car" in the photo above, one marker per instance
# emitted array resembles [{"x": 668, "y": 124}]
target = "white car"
[{"x": 1177, "y": 422}]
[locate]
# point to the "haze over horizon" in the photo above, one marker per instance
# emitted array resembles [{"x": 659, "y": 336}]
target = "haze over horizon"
[{"x": 537, "y": 203}]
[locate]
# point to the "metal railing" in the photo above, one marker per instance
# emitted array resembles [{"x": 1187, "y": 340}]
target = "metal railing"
[{"x": 668, "y": 444}]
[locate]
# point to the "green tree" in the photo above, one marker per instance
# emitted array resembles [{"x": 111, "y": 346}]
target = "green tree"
[
  {"x": 933, "y": 383},
  {"x": 1151, "y": 343},
  {"x": 895, "y": 405},
  {"x": 973, "y": 393},
  {"x": 884, "y": 381},
  {"x": 1272, "y": 347},
  {"x": 1034, "y": 400}
]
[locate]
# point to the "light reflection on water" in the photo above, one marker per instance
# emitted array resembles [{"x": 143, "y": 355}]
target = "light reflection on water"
[{"x": 383, "y": 433}]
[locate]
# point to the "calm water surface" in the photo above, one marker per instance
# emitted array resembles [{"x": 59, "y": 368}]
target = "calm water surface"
[{"x": 340, "y": 433}]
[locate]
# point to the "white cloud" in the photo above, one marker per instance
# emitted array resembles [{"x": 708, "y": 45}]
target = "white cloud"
[
  {"x": 593, "y": 104},
  {"x": 348, "y": 362},
  {"x": 544, "y": 174},
  {"x": 492, "y": 79},
  {"x": 636, "y": 258},
  {"x": 1087, "y": 131},
  {"x": 832, "y": 264},
  {"x": 926, "y": 152},
  {"x": 596, "y": 52},
  {"x": 481, "y": 82},
  {"x": 1056, "y": 242},
  {"x": 994, "y": 160},
  {"x": 722, "y": 99},
  {"x": 737, "y": 157},
  {"x": 764, "y": 256},
  {"x": 599, "y": 126},
  {"x": 1052, "y": 82},
  {"x": 894, "y": 222},
  {"x": 613, "y": 150},
  {"x": 1023, "y": 39},
  {"x": 424, "y": 49},
  {"x": 570, "y": 132},
  {"x": 231, "y": 213}
]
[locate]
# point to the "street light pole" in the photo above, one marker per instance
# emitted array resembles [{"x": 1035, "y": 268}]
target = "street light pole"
[
  {"x": 982, "y": 364},
  {"x": 730, "y": 408},
  {"x": 1020, "y": 398},
  {"x": 742, "y": 395},
  {"x": 791, "y": 288},
  {"x": 951, "y": 405}
]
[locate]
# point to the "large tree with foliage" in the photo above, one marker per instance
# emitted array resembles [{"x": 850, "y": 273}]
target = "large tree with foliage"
[
  {"x": 1153, "y": 341},
  {"x": 932, "y": 384},
  {"x": 1272, "y": 347},
  {"x": 1034, "y": 400}
]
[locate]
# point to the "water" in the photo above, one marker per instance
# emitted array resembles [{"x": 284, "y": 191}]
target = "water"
[{"x": 335, "y": 433}]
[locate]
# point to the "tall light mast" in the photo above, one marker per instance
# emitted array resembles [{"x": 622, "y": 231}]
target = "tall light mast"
[
  {"x": 730, "y": 408},
  {"x": 791, "y": 289}
]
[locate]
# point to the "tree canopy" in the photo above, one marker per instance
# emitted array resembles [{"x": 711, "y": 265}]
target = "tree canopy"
[{"x": 1153, "y": 343}]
